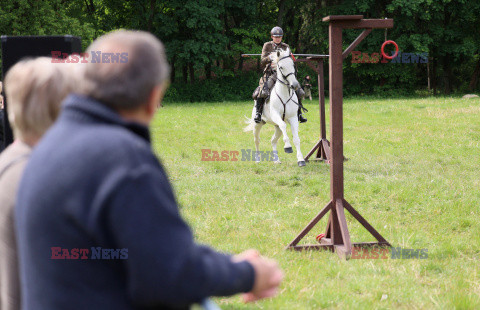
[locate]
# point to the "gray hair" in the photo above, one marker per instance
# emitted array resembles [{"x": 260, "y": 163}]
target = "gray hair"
[
  {"x": 134, "y": 65},
  {"x": 35, "y": 89}
]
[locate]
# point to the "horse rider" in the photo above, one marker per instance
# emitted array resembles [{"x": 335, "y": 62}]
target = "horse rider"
[{"x": 267, "y": 81}]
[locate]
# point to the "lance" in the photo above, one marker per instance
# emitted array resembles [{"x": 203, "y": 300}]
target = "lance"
[{"x": 296, "y": 55}]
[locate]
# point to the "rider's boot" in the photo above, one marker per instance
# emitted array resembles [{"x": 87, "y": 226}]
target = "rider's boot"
[
  {"x": 301, "y": 119},
  {"x": 300, "y": 94},
  {"x": 259, "y": 109}
]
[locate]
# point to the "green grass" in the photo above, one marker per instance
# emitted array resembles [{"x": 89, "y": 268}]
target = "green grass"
[{"x": 413, "y": 172}]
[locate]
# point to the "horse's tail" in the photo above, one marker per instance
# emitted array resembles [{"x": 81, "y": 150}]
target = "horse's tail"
[{"x": 250, "y": 124}]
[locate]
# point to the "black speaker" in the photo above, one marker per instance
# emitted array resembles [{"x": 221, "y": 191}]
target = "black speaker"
[{"x": 15, "y": 48}]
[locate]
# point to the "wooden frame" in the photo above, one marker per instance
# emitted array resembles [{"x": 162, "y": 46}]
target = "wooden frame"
[{"x": 337, "y": 236}]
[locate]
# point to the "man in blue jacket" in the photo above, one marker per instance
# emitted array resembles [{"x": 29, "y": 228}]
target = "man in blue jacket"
[{"x": 98, "y": 223}]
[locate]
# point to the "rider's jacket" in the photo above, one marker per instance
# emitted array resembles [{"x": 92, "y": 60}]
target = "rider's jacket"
[{"x": 267, "y": 49}]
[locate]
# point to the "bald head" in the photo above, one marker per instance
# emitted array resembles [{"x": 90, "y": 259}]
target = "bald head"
[{"x": 124, "y": 68}]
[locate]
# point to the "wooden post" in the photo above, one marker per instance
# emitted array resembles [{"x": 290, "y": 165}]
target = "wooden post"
[
  {"x": 324, "y": 150},
  {"x": 322, "y": 146},
  {"x": 337, "y": 236}
]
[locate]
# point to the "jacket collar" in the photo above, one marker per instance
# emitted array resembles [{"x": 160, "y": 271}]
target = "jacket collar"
[{"x": 88, "y": 109}]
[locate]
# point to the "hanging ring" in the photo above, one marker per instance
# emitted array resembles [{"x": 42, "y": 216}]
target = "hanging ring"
[{"x": 383, "y": 51}]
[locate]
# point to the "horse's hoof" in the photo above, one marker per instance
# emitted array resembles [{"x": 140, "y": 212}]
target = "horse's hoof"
[
  {"x": 288, "y": 150},
  {"x": 277, "y": 162},
  {"x": 301, "y": 163}
]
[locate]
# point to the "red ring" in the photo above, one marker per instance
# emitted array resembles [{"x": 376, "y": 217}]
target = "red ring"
[
  {"x": 319, "y": 237},
  {"x": 383, "y": 47}
]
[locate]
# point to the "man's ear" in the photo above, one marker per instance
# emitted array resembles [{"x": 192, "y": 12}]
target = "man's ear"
[{"x": 155, "y": 98}]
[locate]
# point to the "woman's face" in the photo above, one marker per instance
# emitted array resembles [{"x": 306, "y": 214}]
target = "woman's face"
[{"x": 276, "y": 40}]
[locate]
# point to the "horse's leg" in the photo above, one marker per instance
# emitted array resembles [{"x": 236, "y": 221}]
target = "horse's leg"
[
  {"x": 296, "y": 140},
  {"x": 276, "y": 136},
  {"x": 277, "y": 119},
  {"x": 256, "y": 136}
]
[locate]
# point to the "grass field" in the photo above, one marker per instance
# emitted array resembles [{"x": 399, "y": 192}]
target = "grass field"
[{"x": 413, "y": 173}]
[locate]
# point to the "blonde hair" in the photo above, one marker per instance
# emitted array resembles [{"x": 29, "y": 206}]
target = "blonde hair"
[{"x": 35, "y": 89}]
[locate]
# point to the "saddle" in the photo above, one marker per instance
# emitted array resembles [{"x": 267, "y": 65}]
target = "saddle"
[{"x": 269, "y": 78}]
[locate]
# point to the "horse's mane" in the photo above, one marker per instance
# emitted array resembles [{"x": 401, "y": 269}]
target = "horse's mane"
[{"x": 283, "y": 53}]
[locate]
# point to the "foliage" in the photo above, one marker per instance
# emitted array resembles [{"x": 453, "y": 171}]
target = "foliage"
[
  {"x": 228, "y": 88},
  {"x": 55, "y": 17},
  {"x": 204, "y": 39}
]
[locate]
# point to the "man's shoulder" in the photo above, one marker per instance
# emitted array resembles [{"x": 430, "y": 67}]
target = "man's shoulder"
[
  {"x": 268, "y": 44},
  {"x": 91, "y": 145},
  {"x": 115, "y": 142},
  {"x": 81, "y": 161},
  {"x": 271, "y": 45}
]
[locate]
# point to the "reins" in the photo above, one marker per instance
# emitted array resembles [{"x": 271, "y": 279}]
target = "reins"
[{"x": 288, "y": 86}]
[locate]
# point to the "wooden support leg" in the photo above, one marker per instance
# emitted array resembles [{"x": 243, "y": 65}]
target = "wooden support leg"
[
  {"x": 337, "y": 235},
  {"x": 311, "y": 225}
]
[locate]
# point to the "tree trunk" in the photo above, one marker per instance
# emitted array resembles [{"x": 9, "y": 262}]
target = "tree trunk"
[
  {"x": 297, "y": 37},
  {"x": 90, "y": 6},
  {"x": 474, "y": 79},
  {"x": 208, "y": 70},
  {"x": 172, "y": 72},
  {"x": 428, "y": 76},
  {"x": 281, "y": 10},
  {"x": 240, "y": 64},
  {"x": 447, "y": 75},
  {"x": 185, "y": 74},
  {"x": 192, "y": 73},
  {"x": 434, "y": 76},
  {"x": 446, "y": 58},
  {"x": 152, "y": 13},
  {"x": 228, "y": 62}
]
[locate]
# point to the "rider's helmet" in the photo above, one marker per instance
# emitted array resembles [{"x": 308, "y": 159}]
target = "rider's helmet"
[{"x": 276, "y": 32}]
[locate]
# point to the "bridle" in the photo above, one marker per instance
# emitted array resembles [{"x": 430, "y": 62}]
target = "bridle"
[
  {"x": 290, "y": 92},
  {"x": 283, "y": 75}
]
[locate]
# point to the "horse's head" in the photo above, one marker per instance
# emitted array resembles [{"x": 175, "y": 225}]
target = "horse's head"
[{"x": 286, "y": 68}]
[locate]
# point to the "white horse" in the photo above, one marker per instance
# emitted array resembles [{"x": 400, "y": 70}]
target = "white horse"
[{"x": 282, "y": 107}]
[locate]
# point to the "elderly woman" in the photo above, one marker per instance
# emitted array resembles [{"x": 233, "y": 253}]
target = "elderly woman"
[{"x": 35, "y": 89}]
